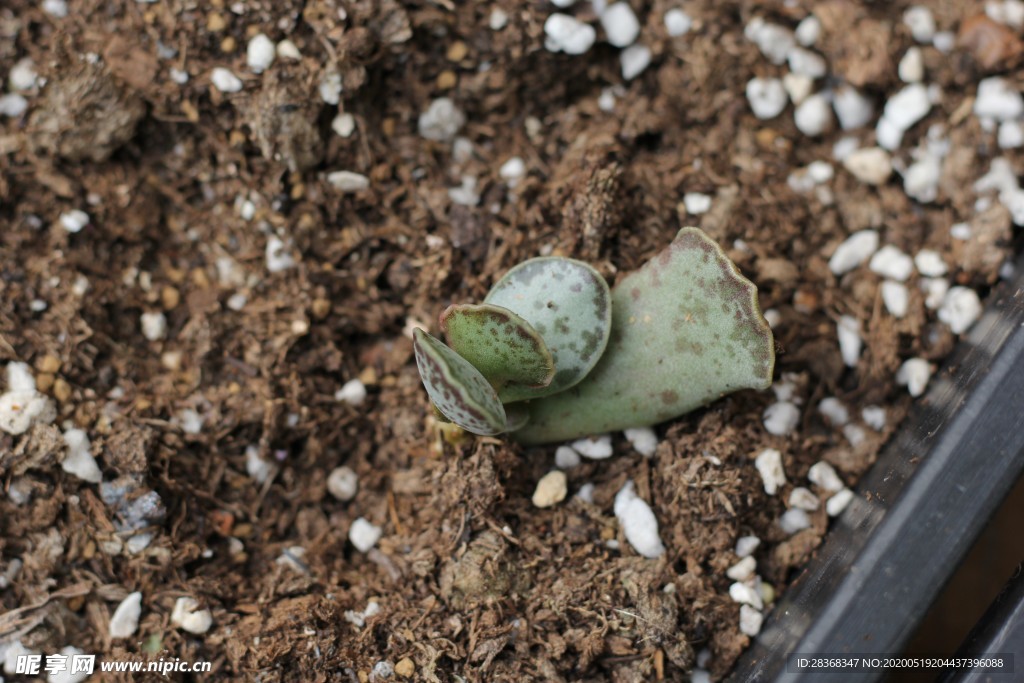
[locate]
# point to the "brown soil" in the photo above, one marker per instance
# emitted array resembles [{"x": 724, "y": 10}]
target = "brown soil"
[{"x": 471, "y": 579}]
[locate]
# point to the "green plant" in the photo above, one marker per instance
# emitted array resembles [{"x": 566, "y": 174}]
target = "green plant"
[{"x": 552, "y": 354}]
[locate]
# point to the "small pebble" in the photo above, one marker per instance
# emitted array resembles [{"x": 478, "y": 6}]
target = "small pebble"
[
  {"x": 853, "y": 108},
  {"x": 566, "y": 458},
  {"x": 13, "y": 105},
  {"x": 781, "y": 418},
  {"x": 344, "y": 125},
  {"x": 364, "y": 535},
  {"x": 55, "y": 8},
  {"x": 595, "y": 448},
  {"x": 808, "y": 30},
  {"x": 620, "y": 24},
  {"x": 769, "y": 466},
  {"x": 352, "y": 392},
  {"x": 498, "y": 19},
  {"x": 330, "y": 88},
  {"x": 586, "y": 493},
  {"x": 871, "y": 165},
  {"x": 750, "y": 620},
  {"x": 634, "y": 59},
  {"x": 892, "y": 263},
  {"x": 802, "y": 499},
  {"x": 179, "y": 76},
  {"x": 348, "y": 181},
  {"x": 700, "y": 676},
  {"x": 914, "y": 375},
  {"x": 794, "y": 520},
  {"x": 643, "y": 439},
  {"x": 742, "y": 570},
  {"x": 887, "y": 135},
  {"x": 804, "y": 62},
  {"x": 441, "y": 121},
  {"x": 854, "y": 434},
  {"x": 154, "y": 326},
  {"x": 896, "y": 298},
  {"x": 69, "y": 652},
  {"x": 921, "y": 180},
  {"x": 260, "y": 53},
  {"x": 73, "y": 221},
  {"x": 911, "y": 66},
  {"x": 343, "y": 483},
  {"x": 512, "y": 171},
  {"x": 838, "y": 502},
  {"x": 639, "y": 525},
  {"x": 813, "y": 116},
  {"x": 944, "y": 41},
  {"x": 998, "y": 99},
  {"x": 832, "y": 408},
  {"x": 960, "y": 308},
  {"x": 257, "y": 467},
  {"x": 405, "y": 668},
  {"x": 746, "y": 545},
  {"x": 934, "y": 289},
  {"x": 225, "y": 81},
  {"x": 465, "y": 194},
  {"x": 929, "y": 263},
  {"x": 551, "y": 489},
  {"x": 960, "y": 231},
  {"x": 850, "y": 343},
  {"x": 844, "y": 147},
  {"x": 23, "y": 75},
  {"x": 567, "y": 34},
  {"x": 286, "y": 49},
  {"x": 874, "y": 417},
  {"x": 767, "y": 97},
  {"x": 696, "y": 203},
  {"x": 78, "y": 460},
  {"x": 772, "y": 40},
  {"x": 191, "y": 421},
  {"x": 908, "y": 106},
  {"x": 797, "y": 87},
  {"x": 187, "y": 616},
  {"x": 677, "y": 22},
  {"x": 824, "y": 476},
  {"x": 746, "y": 595},
  {"x": 1010, "y": 135},
  {"x": 125, "y": 620},
  {"x": 921, "y": 23}
]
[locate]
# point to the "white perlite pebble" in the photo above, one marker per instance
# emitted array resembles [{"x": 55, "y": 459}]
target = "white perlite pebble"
[
  {"x": 344, "y": 125},
  {"x": 929, "y": 263},
  {"x": 832, "y": 408},
  {"x": 837, "y": 503},
  {"x": 750, "y": 621},
  {"x": 286, "y": 49},
  {"x": 512, "y": 171},
  {"x": 58, "y": 9},
  {"x": 563, "y": 3},
  {"x": 257, "y": 467},
  {"x": 697, "y": 203},
  {"x": 78, "y": 460},
  {"x": 567, "y": 34},
  {"x": 23, "y": 74},
  {"x": 742, "y": 570},
  {"x": 934, "y": 289},
  {"x": 944, "y": 41},
  {"x": 921, "y": 180},
  {"x": 895, "y": 297},
  {"x": 586, "y": 493},
  {"x": 125, "y": 620},
  {"x": 808, "y": 30},
  {"x": 781, "y": 418},
  {"x": 154, "y": 326},
  {"x": 1000, "y": 177},
  {"x": 13, "y": 105},
  {"x": 21, "y": 405},
  {"x": 767, "y": 97},
  {"x": 907, "y": 107},
  {"x": 850, "y": 343},
  {"x": 998, "y": 99},
  {"x": 364, "y": 535},
  {"x": 797, "y": 87},
  {"x": 178, "y": 75},
  {"x": 566, "y": 458},
  {"x": 620, "y": 24},
  {"x": 634, "y": 59},
  {"x": 260, "y": 53},
  {"x": 466, "y": 193},
  {"x": 279, "y": 255},
  {"x": 498, "y": 19},
  {"x": 960, "y": 231},
  {"x": 348, "y": 181},
  {"x": 187, "y": 616},
  {"x": 639, "y": 525},
  {"x": 853, "y": 108},
  {"x": 65, "y": 675},
  {"x": 824, "y": 476},
  {"x": 595, "y": 448},
  {"x": 874, "y": 417},
  {"x": 794, "y": 520},
  {"x": 921, "y": 23},
  {"x": 769, "y": 466},
  {"x": 20, "y": 379},
  {"x": 813, "y": 116},
  {"x": 914, "y": 375},
  {"x": 1010, "y": 135},
  {"x": 225, "y": 81},
  {"x": 643, "y": 439},
  {"x": 746, "y": 595},
  {"x": 73, "y": 221},
  {"x": 330, "y": 88},
  {"x": 802, "y": 499},
  {"x": 1009, "y": 12},
  {"x": 854, "y": 434},
  {"x": 746, "y": 545},
  {"x": 960, "y": 308},
  {"x": 805, "y": 62},
  {"x": 892, "y": 263},
  {"x": 551, "y": 489},
  {"x": 441, "y": 121},
  {"x": 343, "y": 483},
  {"x": 191, "y": 421},
  {"x": 871, "y": 165},
  {"x": 677, "y": 22},
  {"x": 911, "y": 67},
  {"x": 887, "y": 135},
  {"x": 844, "y": 147},
  {"x": 772, "y": 40},
  {"x": 352, "y": 392}
]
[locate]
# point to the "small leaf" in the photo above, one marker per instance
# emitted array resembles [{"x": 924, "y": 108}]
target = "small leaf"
[
  {"x": 501, "y": 345},
  {"x": 687, "y": 329},
  {"x": 569, "y": 304},
  {"x": 457, "y": 389}
]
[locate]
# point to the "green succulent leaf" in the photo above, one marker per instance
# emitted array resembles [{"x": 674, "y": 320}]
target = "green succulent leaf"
[
  {"x": 506, "y": 349},
  {"x": 687, "y": 329},
  {"x": 569, "y": 304},
  {"x": 457, "y": 389}
]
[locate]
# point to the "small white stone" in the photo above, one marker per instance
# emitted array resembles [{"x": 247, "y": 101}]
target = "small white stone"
[
  {"x": 808, "y": 30},
  {"x": 260, "y": 53},
  {"x": 551, "y": 489},
  {"x": 929, "y": 263},
  {"x": 750, "y": 621},
  {"x": 1010, "y": 135},
  {"x": 853, "y": 108},
  {"x": 773, "y": 317},
  {"x": 564, "y": 3},
  {"x": 824, "y": 476},
  {"x": 887, "y": 135},
  {"x": 832, "y": 408},
  {"x": 781, "y": 418},
  {"x": 871, "y": 165},
  {"x": 892, "y": 263},
  {"x": 796, "y": 86},
  {"x": 330, "y": 87},
  {"x": 697, "y": 203},
  {"x": 921, "y": 180},
  {"x": 934, "y": 289},
  {"x": 844, "y": 147},
  {"x": 643, "y": 439},
  {"x": 179, "y": 76},
  {"x": 78, "y": 460},
  {"x": 595, "y": 448},
  {"x": 191, "y": 421},
  {"x": 911, "y": 67},
  {"x": 73, "y": 221},
  {"x": 568, "y": 34},
  {"x": 746, "y": 595},
  {"x": 639, "y": 525},
  {"x": 20, "y": 379},
  {"x": 850, "y": 342},
  {"x": 742, "y": 570},
  {"x": 769, "y": 466},
  {"x": 767, "y": 97},
  {"x": 364, "y": 535},
  {"x": 352, "y": 392},
  {"x": 998, "y": 99},
  {"x": 286, "y": 49},
  {"x": 960, "y": 231},
  {"x": 154, "y": 326},
  {"x": 225, "y": 81},
  {"x": 187, "y": 616},
  {"x": 566, "y": 458},
  {"x": 895, "y": 297},
  {"x": 344, "y": 124},
  {"x": 813, "y": 116},
  {"x": 586, "y": 493},
  {"x": 960, "y": 308},
  {"x": 677, "y": 22},
  {"x": 23, "y": 74},
  {"x": 279, "y": 255},
  {"x": 854, "y": 434},
  {"x": 802, "y": 499},
  {"x": 65, "y": 675},
  {"x": 794, "y": 520},
  {"x": 237, "y": 301},
  {"x": 348, "y": 181},
  {"x": 441, "y": 121},
  {"x": 620, "y": 24},
  {"x": 772, "y": 40},
  {"x": 920, "y": 22},
  {"x": 634, "y": 59},
  {"x": 343, "y": 483},
  {"x": 746, "y": 545},
  {"x": 59, "y": 9},
  {"x": 944, "y": 41},
  {"x": 498, "y": 19},
  {"x": 255, "y": 466},
  {"x": 465, "y": 194},
  {"x": 908, "y": 106},
  {"x": 837, "y": 503},
  {"x": 13, "y": 105},
  {"x": 914, "y": 375},
  {"x": 125, "y": 620},
  {"x": 805, "y": 62},
  {"x": 874, "y": 417},
  {"x": 512, "y": 171},
  {"x": 1000, "y": 177}
]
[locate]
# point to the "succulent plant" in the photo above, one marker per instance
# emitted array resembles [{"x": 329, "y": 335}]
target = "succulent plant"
[{"x": 552, "y": 354}]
